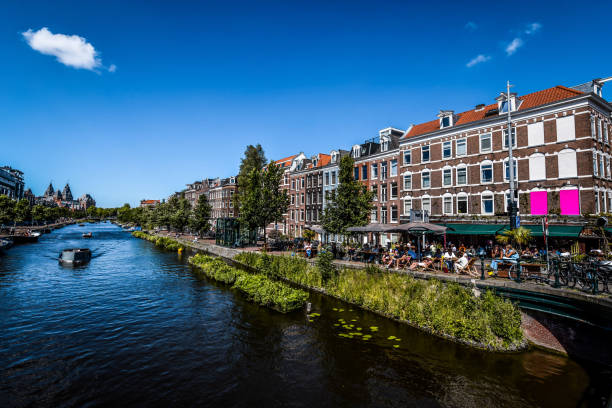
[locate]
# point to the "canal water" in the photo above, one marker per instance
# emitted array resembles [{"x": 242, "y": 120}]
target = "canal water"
[{"x": 137, "y": 327}]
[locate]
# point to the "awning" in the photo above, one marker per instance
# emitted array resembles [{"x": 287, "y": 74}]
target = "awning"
[
  {"x": 316, "y": 228},
  {"x": 418, "y": 227},
  {"x": 473, "y": 229},
  {"x": 369, "y": 228},
  {"x": 566, "y": 231}
]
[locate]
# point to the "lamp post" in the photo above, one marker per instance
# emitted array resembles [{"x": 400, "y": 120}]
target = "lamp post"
[
  {"x": 511, "y": 204},
  {"x": 481, "y": 255}
]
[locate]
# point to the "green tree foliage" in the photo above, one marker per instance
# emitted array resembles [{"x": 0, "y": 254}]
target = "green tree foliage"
[
  {"x": 518, "y": 236},
  {"x": 7, "y": 210},
  {"x": 262, "y": 201},
  {"x": 350, "y": 205},
  {"x": 254, "y": 159},
  {"x": 22, "y": 211},
  {"x": 198, "y": 221},
  {"x": 38, "y": 213}
]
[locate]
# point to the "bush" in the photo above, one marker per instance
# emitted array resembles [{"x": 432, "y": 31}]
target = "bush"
[
  {"x": 325, "y": 264},
  {"x": 161, "y": 242},
  {"x": 258, "y": 288}
]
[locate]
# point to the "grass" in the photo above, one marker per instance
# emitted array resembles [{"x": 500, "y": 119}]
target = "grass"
[
  {"x": 257, "y": 288},
  {"x": 445, "y": 309},
  {"x": 161, "y": 242}
]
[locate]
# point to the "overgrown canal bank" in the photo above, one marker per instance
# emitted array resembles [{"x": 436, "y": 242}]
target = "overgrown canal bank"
[{"x": 446, "y": 310}]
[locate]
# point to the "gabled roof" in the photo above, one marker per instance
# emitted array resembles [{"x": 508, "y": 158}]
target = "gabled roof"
[
  {"x": 286, "y": 162},
  {"x": 529, "y": 101}
]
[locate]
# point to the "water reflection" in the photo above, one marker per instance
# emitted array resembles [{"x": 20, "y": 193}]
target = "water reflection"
[{"x": 137, "y": 327}]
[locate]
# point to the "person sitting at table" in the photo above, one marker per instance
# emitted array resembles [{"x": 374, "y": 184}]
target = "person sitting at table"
[
  {"x": 510, "y": 253},
  {"x": 386, "y": 258},
  {"x": 308, "y": 249},
  {"x": 527, "y": 253},
  {"x": 449, "y": 259},
  {"x": 393, "y": 256},
  {"x": 403, "y": 259},
  {"x": 462, "y": 248},
  {"x": 371, "y": 257},
  {"x": 427, "y": 262},
  {"x": 461, "y": 263}
]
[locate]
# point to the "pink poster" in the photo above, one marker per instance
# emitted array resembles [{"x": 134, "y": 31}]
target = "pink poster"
[
  {"x": 539, "y": 202},
  {"x": 570, "y": 202}
]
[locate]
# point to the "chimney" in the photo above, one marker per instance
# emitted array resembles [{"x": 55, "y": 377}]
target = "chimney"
[{"x": 479, "y": 107}]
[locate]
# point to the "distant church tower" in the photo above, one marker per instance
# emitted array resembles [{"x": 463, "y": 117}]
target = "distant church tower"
[
  {"x": 49, "y": 192},
  {"x": 67, "y": 194}
]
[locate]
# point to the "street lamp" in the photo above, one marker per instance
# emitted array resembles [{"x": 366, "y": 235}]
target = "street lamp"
[{"x": 481, "y": 255}]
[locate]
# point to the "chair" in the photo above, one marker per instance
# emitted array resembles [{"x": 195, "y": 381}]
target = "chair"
[{"x": 469, "y": 268}]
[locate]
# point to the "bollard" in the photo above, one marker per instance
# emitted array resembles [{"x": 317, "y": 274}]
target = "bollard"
[
  {"x": 518, "y": 270},
  {"x": 556, "y": 267},
  {"x": 595, "y": 281}
]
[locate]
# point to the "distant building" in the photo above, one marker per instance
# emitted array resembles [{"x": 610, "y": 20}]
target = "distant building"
[
  {"x": 11, "y": 182},
  {"x": 86, "y": 201},
  {"x": 148, "y": 203},
  {"x": 64, "y": 198}
]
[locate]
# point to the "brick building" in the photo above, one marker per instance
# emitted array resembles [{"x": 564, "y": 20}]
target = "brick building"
[{"x": 221, "y": 198}]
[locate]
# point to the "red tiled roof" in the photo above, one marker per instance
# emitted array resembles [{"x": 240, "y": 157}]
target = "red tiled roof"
[
  {"x": 531, "y": 100},
  {"x": 149, "y": 201},
  {"x": 324, "y": 159},
  {"x": 286, "y": 161}
]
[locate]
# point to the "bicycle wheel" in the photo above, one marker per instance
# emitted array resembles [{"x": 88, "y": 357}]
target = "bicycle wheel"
[{"x": 512, "y": 273}]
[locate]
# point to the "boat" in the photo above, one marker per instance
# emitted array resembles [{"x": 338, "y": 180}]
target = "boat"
[
  {"x": 88, "y": 235},
  {"x": 28, "y": 237},
  {"x": 5, "y": 244},
  {"x": 81, "y": 225},
  {"x": 75, "y": 256}
]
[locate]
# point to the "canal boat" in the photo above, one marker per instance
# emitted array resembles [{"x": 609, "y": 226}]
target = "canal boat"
[
  {"x": 28, "y": 237},
  {"x": 81, "y": 225},
  {"x": 88, "y": 235},
  {"x": 75, "y": 256}
]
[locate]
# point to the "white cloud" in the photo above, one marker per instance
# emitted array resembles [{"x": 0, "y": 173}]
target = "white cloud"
[
  {"x": 71, "y": 50},
  {"x": 477, "y": 60},
  {"x": 513, "y": 46},
  {"x": 112, "y": 68},
  {"x": 532, "y": 28},
  {"x": 470, "y": 25}
]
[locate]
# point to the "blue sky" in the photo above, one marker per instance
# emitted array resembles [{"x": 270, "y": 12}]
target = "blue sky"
[{"x": 193, "y": 83}]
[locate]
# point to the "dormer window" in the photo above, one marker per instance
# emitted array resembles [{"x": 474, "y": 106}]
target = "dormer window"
[
  {"x": 503, "y": 103},
  {"x": 356, "y": 152},
  {"x": 314, "y": 162},
  {"x": 446, "y": 119},
  {"x": 384, "y": 144},
  {"x": 334, "y": 157}
]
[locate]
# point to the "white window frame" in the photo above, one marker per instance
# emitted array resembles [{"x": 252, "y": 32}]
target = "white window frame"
[
  {"x": 482, "y": 199},
  {"x": 467, "y": 203},
  {"x": 428, "y": 154},
  {"x": 537, "y": 171},
  {"x": 407, "y": 153},
  {"x": 450, "y": 178},
  {"x": 485, "y": 136},
  {"x": 393, "y": 168},
  {"x": 487, "y": 163},
  {"x": 461, "y": 167},
  {"x": 463, "y": 142},
  {"x": 373, "y": 171},
  {"x": 407, "y": 203},
  {"x": 535, "y": 134},
  {"x": 407, "y": 176},
  {"x": 423, "y": 178},
  {"x": 562, "y": 164},
  {"x": 428, "y": 208},
  {"x": 514, "y": 141},
  {"x": 448, "y": 144},
  {"x": 447, "y": 199},
  {"x": 507, "y": 171}
]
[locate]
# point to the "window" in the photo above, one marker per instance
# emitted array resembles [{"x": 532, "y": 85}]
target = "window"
[
  {"x": 364, "y": 172},
  {"x": 407, "y": 157},
  {"x": 445, "y": 122},
  {"x": 425, "y": 179},
  {"x": 595, "y": 164},
  {"x": 333, "y": 177},
  {"x": 570, "y": 201},
  {"x": 301, "y": 198},
  {"x": 394, "y": 213},
  {"x": 593, "y": 133},
  {"x": 425, "y": 154},
  {"x": 447, "y": 177},
  {"x": 537, "y": 167},
  {"x": 383, "y": 215},
  {"x": 597, "y": 208},
  {"x": 485, "y": 143},
  {"x": 507, "y": 169},
  {"x": 384, "y": 144},
  {"x": 426, "y": 204},
  {"x": 407, "y": 181},
  {"x": 461, "y": 176},
  {"x": 462, "y": 204},
  {"x": 393, "y": 191},
  {"x": 407, "y": 206},
  {"x": 356, "y": 172},
  {"x": 535, "y": 134},
  {"x": 461, "y": 147},
  {"x": 302, "y": 182},
  {"x": 446, "y": 150},
  {"x": 487, "y": 203},
  {"x": 565, "y": 129},
  {"x": 292, "y": 199},
  {"x": 602, "y": 173},
  {"x": 447, "y": 204},
  {"x": 375, "y": 191},
  {"x": 383, "y": 170},
  {"x": 327, "y": 178},
  {"x": 383, "y": 193},
  {"x": 374, "y": 215},
  {"x": 393, "y": 168},
  {"x": 539, "y": 202},
  {"x": 301, "y": 215},
  {"x": 374, "y": 171},
  {"x": 605, "y": 132},
  {"x": 486, "y": 172},
  {"x": 608, "y": 166},
  {"x": 293, "y": 184},
  {"x": 599, "y": 132},
  {"x": 513, "y": 138},
  {"x": 567, "y": 163},
  {"x": 356, "y": 151}
]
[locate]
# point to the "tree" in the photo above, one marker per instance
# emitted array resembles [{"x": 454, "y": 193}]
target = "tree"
[
  {"x": 22, "y": 211},
  {"x": 7, "y": 210},
  {"x": 180, "y": 210},
  {"x": 262, "y": 201},
  {"x": 38, "y": 213},
  {"x": 518, "y": 236},
  {"x": 254, "y": 159},
  {"x": 198, "y": 220},
  {"x": 350, "y": 205}
]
